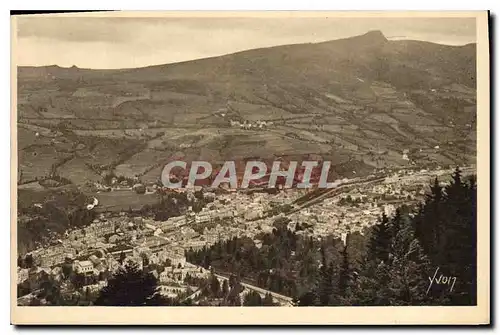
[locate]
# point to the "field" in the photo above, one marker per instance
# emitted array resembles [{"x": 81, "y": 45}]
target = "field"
[
  {"x": 364, "y": 99},
  {"x": 123, "y": 200},
  {"x": 78, "y": 172}
]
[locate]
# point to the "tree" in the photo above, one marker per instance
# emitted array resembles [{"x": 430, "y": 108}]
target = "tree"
[
  {"x": 50, "y": 291},
  {"x": 130, "y": 286},
  {"x": 446, "y": 228},
  {"x": 268, "y": 300},
  {"x": 252, "y": 298},
  {"x": 429, "y": 223},
  {"x": 78, "y": 280},
  {"x": 20, "y": 261},
  {"x": 139, "y": 188},
  {"x": 307, "y": 299},
  {"x": 325, "y": 285},
  {"x": 395, "y": 223},
  {"x": 122, "y": 257},
  {"x": 371, "y": 288},
  {"x": 225, "y": 288},
  {"x": 233, "y": 298},
  {"x": 86, "y": 295},
  {"x": 28, "y": 261},
  {"x": 214, "y": 286},
  {"x": 67, "y": 270},
  {"x": 409, "y": 268},
  {"x": 458, "y": 243},
  {"x": 344, "y": 275},
  {"x": 380, "y": 241}
]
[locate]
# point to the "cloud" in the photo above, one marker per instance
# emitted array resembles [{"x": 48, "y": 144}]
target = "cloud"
[
  {"x": 75, "y": 29},
  {"x": 133, "y": 42}
]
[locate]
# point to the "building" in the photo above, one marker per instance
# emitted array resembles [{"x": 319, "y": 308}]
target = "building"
[
  {"x": 84, "y": 267},
  {"x": 50, "y": 259},
  {"x": 76, "y": 234},
  {"x": 98, "y": 229},
  {"x": 166, "y": 275},
  {"x": 195, "y": 245},
  {"x": 94, "y": 288},
  {"x": 171, "y": 291},
  {"x": 22, "y": 275},
  {"x": 174, "y": 258},
  {"x": 203, "y": 217}
]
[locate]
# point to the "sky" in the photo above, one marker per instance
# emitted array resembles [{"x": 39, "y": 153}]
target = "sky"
[{"x": 128, "y": 42}]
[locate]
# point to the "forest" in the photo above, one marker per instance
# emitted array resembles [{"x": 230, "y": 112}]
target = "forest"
[{"x": 389, "y": 264}]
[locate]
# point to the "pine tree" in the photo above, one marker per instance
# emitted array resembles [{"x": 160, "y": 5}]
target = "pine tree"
[
  {"x": 470, "y": 244},
  {"x": 225, "y": 288},
  {"x": 309, "y": 298},
  {"x": 268, "y": 300},
  {"x": 434, "y": 219},
  {"x": 344, "y": 276},
  {"x": 446, "y": 227},
  {"x": 418, "y": 225},
  {"x": 20, "y": 261},
  {"x": 401, "y": 278},
  {"x": 395, "y": 223},
  {"x": 214, "y": 286},
  {"x": 459, "y": 244},
  {"x": 28, "y": 261},
  {"x": 252, "y": 298},
  {"x": 380, "y": 241},
  {"x": 370, "y": 288},
  {"x": 130, "y": 286},
  {"x": 325, "y": 286},
  {"x": 409, "y": 268}
]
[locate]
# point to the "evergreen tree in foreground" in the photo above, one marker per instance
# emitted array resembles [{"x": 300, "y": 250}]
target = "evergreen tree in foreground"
[
  {"x": 409, "y": 268},
  {"x": 252, "y": 298},
  {"x": 380, "y": 241},
  {"x": 344, "y": 277},
  {"x": 130, "y": 286},
  {"x": 325, "y": 286},
  {"x": 446, "y": 227}
]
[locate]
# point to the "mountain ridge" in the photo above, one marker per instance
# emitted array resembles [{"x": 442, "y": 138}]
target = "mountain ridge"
[
  {"x": 373, "y": 33},
  {"x": 358, "y": 101}
]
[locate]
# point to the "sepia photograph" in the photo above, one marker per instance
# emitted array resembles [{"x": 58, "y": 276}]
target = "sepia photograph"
[{"x": 319, "y": 167}]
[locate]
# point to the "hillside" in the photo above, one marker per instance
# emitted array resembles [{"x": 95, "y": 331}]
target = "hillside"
[{"x": 360, "y": 102}]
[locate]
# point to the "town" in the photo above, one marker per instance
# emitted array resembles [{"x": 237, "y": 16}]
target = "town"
[{"x": 83, "y": 259}]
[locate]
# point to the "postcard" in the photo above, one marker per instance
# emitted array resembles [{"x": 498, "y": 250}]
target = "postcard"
[{"x": 250, "y": 168}]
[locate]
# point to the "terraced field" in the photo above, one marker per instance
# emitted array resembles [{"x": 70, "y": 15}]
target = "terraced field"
[{"x": 360, "y": 102}]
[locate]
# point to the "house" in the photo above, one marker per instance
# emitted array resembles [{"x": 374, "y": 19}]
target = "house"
[
  {"x": 85, "y": 267},
  {"x": 93, "y": 288},
  {"x": 95, "y": 260},
  {"x": 202, "y": 218},
  {"x": 175, "y": 258},
  {"x": 22, "y": 275},
  {"x": 165, "y": 276},
  {"x": 154, "y": 259},
  {"x": 51, "y": 259}
]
